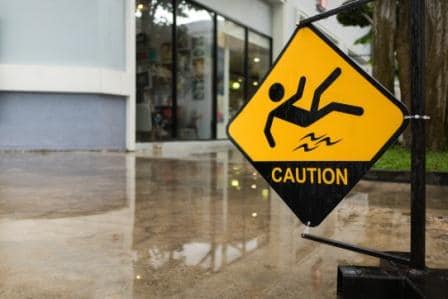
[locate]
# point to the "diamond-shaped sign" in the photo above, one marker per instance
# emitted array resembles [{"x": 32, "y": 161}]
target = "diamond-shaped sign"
[{"x": 315, "y": 126}]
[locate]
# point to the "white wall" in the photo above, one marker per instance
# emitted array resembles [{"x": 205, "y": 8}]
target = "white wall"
[
  {"x": 255, "y": 14},
  {"x": 346, "y": 35},
  {"x": 63, "y": 32},
  {"x": 69, "y": 47},
  {"x": 286, "y": 17}
]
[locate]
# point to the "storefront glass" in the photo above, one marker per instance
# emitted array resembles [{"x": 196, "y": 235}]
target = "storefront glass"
[
  {"x": 230, "y": 73},
  {"x": 191, "y": 88},
  {"x": 194, "y": 71},
  {"x": 259, "y": 60},
  {"x": 154, "y": 96}
]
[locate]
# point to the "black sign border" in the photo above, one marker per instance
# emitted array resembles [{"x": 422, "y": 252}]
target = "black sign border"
[{"x": 362, "y": 72}]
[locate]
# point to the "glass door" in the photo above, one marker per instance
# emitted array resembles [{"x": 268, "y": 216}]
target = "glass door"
[
  {"x": 230, "y": 73},
  {"x": 154, "y": 81},
  {"x": 194, "y": 36}
]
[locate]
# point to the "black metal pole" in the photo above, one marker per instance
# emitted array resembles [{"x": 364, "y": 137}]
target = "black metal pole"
[
  {"x": 246, "y": 66},
  {"x": 215, "y": 77},
  {"x": 174, "y": 72},
  {"x": 418, "y": 199}
]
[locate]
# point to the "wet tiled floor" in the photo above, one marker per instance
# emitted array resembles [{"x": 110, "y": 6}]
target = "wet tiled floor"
[{"x": 115, "y": 225}]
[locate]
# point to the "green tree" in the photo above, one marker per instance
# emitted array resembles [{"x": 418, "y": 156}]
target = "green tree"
[{"x": 391, "y": 55}]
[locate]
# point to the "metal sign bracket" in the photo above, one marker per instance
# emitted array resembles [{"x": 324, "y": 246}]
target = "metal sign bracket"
[
  {"x": 418, "y": 116},
  {"x": 359, "y": 249},
  {"x": 349, "y": 6}
]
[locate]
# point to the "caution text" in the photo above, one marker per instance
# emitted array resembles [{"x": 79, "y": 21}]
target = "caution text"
[{"x": 310, "y": 175}]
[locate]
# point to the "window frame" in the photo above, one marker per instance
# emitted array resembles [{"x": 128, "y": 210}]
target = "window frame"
[
  {"x": 247, "y": 29},
  {"x": 214, "y": 98}
]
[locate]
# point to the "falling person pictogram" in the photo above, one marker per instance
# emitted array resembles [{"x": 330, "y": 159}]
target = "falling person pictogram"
[{"x": 301, "y": 117}]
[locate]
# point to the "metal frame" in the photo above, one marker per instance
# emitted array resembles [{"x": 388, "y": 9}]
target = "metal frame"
[
  {"x": 215, "y": 77},
  {"x": 418, "y": 154},
  {"x": 415, "y": 281},
  {"x": 214, "y": 66},
  {"x": 174, "y": 72},
  {"x": 246, "y": 65},
  {"x": 359, "y": 249}
]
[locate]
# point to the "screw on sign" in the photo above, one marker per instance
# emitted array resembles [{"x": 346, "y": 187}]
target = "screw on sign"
[{"x": 316, "y": 125}]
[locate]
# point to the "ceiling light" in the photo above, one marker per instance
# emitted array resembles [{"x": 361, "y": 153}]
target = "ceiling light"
[{"x": 256, "y": 59}]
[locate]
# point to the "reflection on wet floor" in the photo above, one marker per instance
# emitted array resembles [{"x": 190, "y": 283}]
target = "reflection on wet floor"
[{"x": 112, "y": 225}]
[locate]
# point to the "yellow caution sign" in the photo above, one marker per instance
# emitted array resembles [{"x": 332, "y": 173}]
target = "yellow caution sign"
[
  {"x": 315, "y": 105},
  {"x": 316, "y": 125}
]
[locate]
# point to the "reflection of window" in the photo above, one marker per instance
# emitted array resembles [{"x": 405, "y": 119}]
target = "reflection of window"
[
  {"x": 259, "y": 60},
  {"x": 221, "y": 231},
  {"x": 230, "y": 74}
]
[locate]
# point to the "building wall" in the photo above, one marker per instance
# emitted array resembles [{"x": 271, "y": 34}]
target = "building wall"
[
  {"x": 255, "y": 14},
  {"x": 64, "y": 32},
  {"x": 62, "y": 121},
  {"x": 65, "y": 74},
  {"x": 346, "y": 35},
  {"x": 80, "y": 56},
  {"x": 287, "y": 15}
]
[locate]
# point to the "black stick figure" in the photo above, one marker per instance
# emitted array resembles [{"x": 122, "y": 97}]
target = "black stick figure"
[{"x": 301, "y": 117}]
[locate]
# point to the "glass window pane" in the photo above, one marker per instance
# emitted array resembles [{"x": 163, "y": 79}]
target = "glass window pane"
[
  {"x": 194, "y": 71},
  {"x": 259, "y": 60},
  {"x": 230, "y": 73},
  {"x": 154, "y": 109}
]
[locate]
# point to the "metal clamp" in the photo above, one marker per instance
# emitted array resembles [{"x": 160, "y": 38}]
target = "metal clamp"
[
  {"x": 306, "y": 230},
  {"x": 417, "y": 116}
]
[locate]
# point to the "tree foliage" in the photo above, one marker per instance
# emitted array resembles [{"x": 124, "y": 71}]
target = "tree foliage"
[
  {"x": 357, "y": 17},
  {"x": 361, "y": 17},
  {"x": 391, "y": 55}
]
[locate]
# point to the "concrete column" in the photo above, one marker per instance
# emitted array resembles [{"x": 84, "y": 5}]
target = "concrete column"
[{"x": 283, "y": 25}]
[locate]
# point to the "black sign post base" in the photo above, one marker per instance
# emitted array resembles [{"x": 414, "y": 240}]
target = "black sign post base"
[
  {"x": 409, "y": 278},
  {"x": 395, "y": 278},
  {"x": 391, "y": 281}
]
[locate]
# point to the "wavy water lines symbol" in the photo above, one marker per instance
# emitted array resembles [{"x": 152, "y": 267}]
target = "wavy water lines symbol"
[{"x": 314, "y": 142}]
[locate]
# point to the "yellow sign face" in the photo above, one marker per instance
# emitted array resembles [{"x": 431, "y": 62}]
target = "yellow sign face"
[
  {"x": 315, "y": 105},
  {"x": 316, "y": 125}
]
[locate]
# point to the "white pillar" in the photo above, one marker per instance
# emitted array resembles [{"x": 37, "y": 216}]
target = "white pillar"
[
  {"x": 130, "y": 71},
  {"x": 283, "y": 25}
]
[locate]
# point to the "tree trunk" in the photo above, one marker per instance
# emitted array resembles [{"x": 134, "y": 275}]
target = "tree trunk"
[
  {"x": 436, "y": 73},
  {"x": 403, "y": 50},
  {"x": 384, "y": 27}
]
